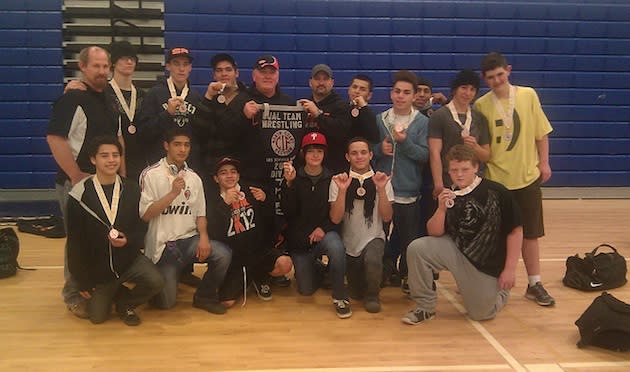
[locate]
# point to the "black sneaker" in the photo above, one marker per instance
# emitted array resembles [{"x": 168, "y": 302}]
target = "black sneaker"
[
  {"x": 539, "y": 294},
  {"x": 263, "y": 291},
  {"x": 280, "y": 281},
  {"x": 208, "y": 304},
  {"x": 417, "y": 316},
  {"x": 342, "y": 307},
  {"x": 129, "y": 317}
]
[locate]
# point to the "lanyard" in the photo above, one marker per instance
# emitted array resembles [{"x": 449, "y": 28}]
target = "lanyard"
[
  {"x": 361, "y": 177},
  {"x": 130, "y": 110},
  {"x": 467, "y": 123},
  {"x": 171, "y": 88},
  {"x": 470, "y": 188},
  {"x": 112, "y": 211},
  {"x": 507, "y": 117}
]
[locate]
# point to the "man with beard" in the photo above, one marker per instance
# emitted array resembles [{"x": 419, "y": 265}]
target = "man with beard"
[{"x": 77, "y": 118}]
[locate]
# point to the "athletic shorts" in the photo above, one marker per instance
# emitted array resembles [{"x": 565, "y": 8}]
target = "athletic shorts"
[{"x": 529, "y": 200}]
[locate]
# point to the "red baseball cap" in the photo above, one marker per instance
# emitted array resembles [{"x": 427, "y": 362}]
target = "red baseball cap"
[{"x": 314, "y": 138}]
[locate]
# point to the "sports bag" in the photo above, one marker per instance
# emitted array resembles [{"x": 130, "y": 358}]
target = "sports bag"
[
  {"x": 9, "y": 249},
  {"x": 596, "y": 271},
  {"x": 606, "y": 323}
]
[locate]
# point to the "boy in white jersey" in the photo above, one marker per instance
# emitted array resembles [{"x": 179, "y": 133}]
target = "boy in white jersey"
[
  {"x": 519, "y": 157},
  {"x": 174, "y": 204}
]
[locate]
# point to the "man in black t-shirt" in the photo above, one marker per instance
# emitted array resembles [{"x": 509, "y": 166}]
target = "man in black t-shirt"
[
  {"x": 77, "y": 118},
  {"x": 475, "y": 234}
]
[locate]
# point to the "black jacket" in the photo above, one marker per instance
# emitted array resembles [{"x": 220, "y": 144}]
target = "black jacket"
[
  {"x": 364, "y": 125},
  {"x": 219, "y": 128},
  {"x": 251, "y": 214},
  {"x": 154, "y": 121},
  {"x": 335, "y": 124},
  {"x": 91, "y": 260},
  {"x": 306, "y": 207}
]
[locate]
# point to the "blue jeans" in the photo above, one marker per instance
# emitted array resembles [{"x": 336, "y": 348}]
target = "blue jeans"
[
  {"x": 308, "y": 272},
  {"x": 70, "y": 291},
  {"x": 182, "y": 254}
]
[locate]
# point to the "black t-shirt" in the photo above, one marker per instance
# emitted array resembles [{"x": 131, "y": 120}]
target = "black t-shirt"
[
  {"x": 79, "y": 116},
  {"x": 479, "y": 224}
]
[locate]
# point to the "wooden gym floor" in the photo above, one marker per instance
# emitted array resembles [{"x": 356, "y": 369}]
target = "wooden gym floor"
[{"x": 294, "y": 333}]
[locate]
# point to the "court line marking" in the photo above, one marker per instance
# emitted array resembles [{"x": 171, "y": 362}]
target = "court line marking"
[
  {"x": 476, "y": 367},
  {"x": 484, "y": 332}
]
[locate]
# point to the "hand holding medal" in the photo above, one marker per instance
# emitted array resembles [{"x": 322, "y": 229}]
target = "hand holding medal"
[
  {"x": 116, "y": 238},
  {"x": 399, "y": 133}
]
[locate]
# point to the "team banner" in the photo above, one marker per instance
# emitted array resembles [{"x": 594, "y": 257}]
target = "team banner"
[{"x": 282, "y": 128}]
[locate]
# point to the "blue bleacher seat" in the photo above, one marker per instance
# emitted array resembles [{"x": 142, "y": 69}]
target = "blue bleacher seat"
[
  {"x": 591, "y": 29},
  {"x": 375, "y": 9},
  {"x": 591, "y": 12},
  {"x": 470, "y": 27},
  {"x": 345, "y": 8},
  {"x": 246, "y": 24},
  {"x": 404, "y": 61},
  {"x": 344, "y": 43},
  {"x": 438, "y": 27},
  {"x": 410, "y": 44},
  {"x": 44, "y": 38},
  {"x": 464, "y": 44},
  {"x": 311, "y": 43},
  {"x": 13, "y": 38},
  {"x": 279, "y": 42},
  {"x": 404, "y": 26},
  {"x": 375, "y": 26},
  {"x": 45, "y": 74},
  {"x": 344, "y": 60},
  {"x": 190, "y": 6},
  {"x": 501, "y": 44},
  {"x": 45, "y": 20},
  {"x": 279, "y": 7},
  {"x": 312, "y": 9},
  {"x": 375, "y": 44},
  {"x": 345, "y": 25},
  {"x": 440, "y": 9},
  {"x": 279, "y": 25},
  {"x": 437, "y": 44},
  {"x": 253, "y": 7},
  {"x": 188, "y": 23},
  {"x": 317, "y": 25}
]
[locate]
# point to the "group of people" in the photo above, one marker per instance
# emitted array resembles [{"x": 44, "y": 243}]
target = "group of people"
[{"x": 151, "y": 183}]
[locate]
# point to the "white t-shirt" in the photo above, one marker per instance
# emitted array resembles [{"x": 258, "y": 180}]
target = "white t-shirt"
[
  {"x": 178, "y": 220},
  {"x": 356, "y": 233}
]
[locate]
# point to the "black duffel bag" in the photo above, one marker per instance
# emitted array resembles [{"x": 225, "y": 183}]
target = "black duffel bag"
[
  {"x": 606, "y": 323},
  {"x": 596, "y": 271}
]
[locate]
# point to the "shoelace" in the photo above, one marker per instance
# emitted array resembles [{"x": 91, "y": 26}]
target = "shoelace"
[
  {"x": 341, "y": 303},
  {"x": 265, "y": 288}
]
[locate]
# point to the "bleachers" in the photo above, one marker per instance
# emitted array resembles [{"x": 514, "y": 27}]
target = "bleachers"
[{"x": 576, "y": 55}]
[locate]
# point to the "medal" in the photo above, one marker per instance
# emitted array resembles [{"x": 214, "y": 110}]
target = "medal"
[
  {"x": 354, "y": 112},
  {"x": 467, "y": 124},
  {"x": 110, "y": 211},
  {"x": 130, "y": 110},
  {"x": 361, "y": 191},
  {"x": 221, "y": 97},
  {"x": 450, "y": 203},
  {"x": 506, "y": 117},
  {"x": 507, "y": 136}
]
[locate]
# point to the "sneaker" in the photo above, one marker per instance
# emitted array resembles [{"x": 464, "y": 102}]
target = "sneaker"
[
  {"x": 404, "y": 286},
  {"x": 79, "y": 309},
  {"x": 539, "y": 294},
  {"x": 280, "y": 281},
  {"x": 210, "y": 305},
  {"x": 190, "y": 279},
  {"x": 417, "y": 316},
  {"x": 129, "y": 317},
  {"x": 263, "y": 291},
  {"x": 372, "y": 305},
  {"x": 342, "y": 307}
]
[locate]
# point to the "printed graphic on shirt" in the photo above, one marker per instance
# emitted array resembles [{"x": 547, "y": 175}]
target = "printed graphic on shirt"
[
  {"x": 477, "y": 225},
  {"x": 180, "y": 208},
  {"x": 182, "y": 118},
  {"x": 509, "y": 134},
  {"x": 242, "y": 214}
]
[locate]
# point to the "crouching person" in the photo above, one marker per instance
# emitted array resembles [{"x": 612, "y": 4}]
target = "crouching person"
[
  {"x": 310, "y": 231},
  {"x": 174, "y": 205},
  {"x": 476, "y": 234},
  {"x": 238, "y": 211},
  {"x": 105, "y": 235}
]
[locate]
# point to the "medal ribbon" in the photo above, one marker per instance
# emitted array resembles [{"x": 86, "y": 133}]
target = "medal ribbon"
[
  {"x": 361, "y": 177},
  {"x": 130, "y": 111},
  {"x": 470, "y": 188},
  {"x": 467, "y": 123},
  {"x": 171, "y": 88},
  {"x": 507, "y": 117},
  {"x": 112, "y": 211}
]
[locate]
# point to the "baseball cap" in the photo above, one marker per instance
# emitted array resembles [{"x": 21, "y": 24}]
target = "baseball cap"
[
  {"x": 178, "y": 52},
  {"x": 119, "y": 49},
  {"x": 264, "y": 61},
  {"x": 226, "y": 161},
  {"x": 220, "y": 58},
  {"x": 321, "y": 68},
  {"x": 314, "y": 138}
]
